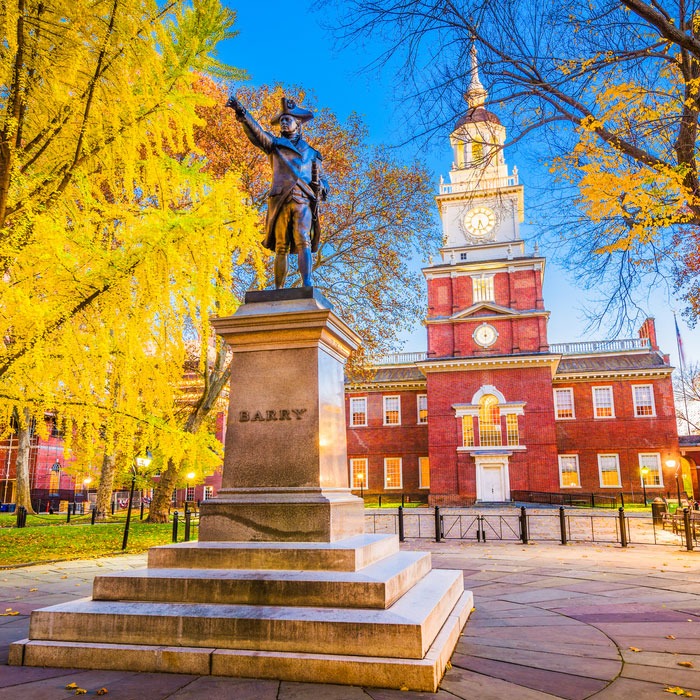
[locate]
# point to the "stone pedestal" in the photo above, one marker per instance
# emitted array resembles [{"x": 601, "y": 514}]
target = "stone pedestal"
[
  {"x": 285, "y": 475},
  {"x": 283, "y": 583}
]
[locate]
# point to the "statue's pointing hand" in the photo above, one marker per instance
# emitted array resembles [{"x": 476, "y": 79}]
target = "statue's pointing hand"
[{"x": 236, "y": 106}]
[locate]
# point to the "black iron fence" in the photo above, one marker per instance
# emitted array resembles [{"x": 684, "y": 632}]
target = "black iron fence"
[{"x": 522, "y": 525}]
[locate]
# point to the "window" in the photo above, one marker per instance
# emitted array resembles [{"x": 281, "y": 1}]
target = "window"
[
  {"x": 392, "y": 410},
  {"x": 468, "y": 431},
  {"x": 54, "y": 480},
  {"x": 603, "y": 406},
  {"x": 358, "y": 472},
  {"x": 358, "y": 411},
  {"x": 652, "y": 461},
  {"x": 189, "y": 494},
  {"x": 563, "y": 404},
  {"x": 393, "y": 478},
  {"x": 462, "y": 256},
  {"x": 489, "y": 421},
  {"x": 643, "y": 395},
  {"x": 208, "y": 492},
  {"x": 609, "y": 468},
  {"x": 568, "y": 471},
  {"x": 512, "y": 429},
  {"x": 482, "y": 287},
  {"x": 423, "y": 473},
  {"x": 422, "y": 409}
]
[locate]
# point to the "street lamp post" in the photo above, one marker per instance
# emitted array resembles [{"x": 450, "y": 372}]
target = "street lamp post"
[
  {"x": 190, "y": 478},
  {"x": 361, "y": 477},
  {"x": 139, "y": 463},
  {"x": 644, "y": 471},
  {"x": 86, "y": 485},
  {"x": 671, "y": 463}
]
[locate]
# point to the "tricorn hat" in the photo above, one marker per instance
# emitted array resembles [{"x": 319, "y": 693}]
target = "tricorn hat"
[{"x": 290, "y": 107}]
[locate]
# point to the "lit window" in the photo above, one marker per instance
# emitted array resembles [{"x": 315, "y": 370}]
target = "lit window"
[
  {"x": 393, "y": 478},
  {"x": 208, "y": 492},
  {"x": 477, "y": 151},
  {"x": 423, "y": 473},
  {"x": 358, "y": 471},
  {"x": 568, "y": 471},
  {"x": 643, "y": 395},
  {"x": 609, "y": 468},
  {"x": 603, "y": 406},
  {"x": 512, "y": 429},
  {"x": 358, "y": 411},
  {"x": 652, "y": 461},
  {"x": 392, "y": 410},
  {"x": 564, "y": 403},
  {"x": 468, "y": 431},
  {"x": 189, "y": 495},
  {"x": 482, "y": 287},
  {"x": 422, "y": 408},
  {"x": 489, "y": 421}
]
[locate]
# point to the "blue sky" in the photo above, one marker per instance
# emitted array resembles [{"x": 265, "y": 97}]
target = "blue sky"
[{"x": 284, "y": 42}]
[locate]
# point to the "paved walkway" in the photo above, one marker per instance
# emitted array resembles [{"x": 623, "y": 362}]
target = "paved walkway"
[{"x": 551, "y": 622}]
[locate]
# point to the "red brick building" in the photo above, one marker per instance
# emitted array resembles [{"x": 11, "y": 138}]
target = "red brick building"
[{"x": 493, "y": 410}]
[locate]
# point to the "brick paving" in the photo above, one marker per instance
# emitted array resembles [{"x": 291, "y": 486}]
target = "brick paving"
[{"x": 551, "y": 621}]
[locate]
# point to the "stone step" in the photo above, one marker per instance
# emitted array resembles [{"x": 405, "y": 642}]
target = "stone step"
[
  {"x": 350, "y": 554},
  {"x": 378, "y": 585},
  {"x": 377, "y": 671},
  {"x": 406, "y": 630}
]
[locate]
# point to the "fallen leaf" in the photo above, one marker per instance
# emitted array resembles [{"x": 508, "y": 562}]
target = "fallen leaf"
[
  {"x": 102, "y": 691},
  {"x": 676, "y": 690},
  {"x": 685, "y": 664},
  {"x": 80, "y": 691},
  {"x": 64, "y": 576},
  {"x": 31, "y": 590},
  {"x": 70, "y": 686},
  {"x": 634, "y": 649},
  {"x": 670, "y": 636}
]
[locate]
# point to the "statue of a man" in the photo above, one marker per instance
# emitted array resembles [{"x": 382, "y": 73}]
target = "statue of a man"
[{"x": 298, "y": 186}]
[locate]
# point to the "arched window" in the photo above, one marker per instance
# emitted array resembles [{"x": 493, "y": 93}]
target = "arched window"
[{"x": 489, "y": 421}]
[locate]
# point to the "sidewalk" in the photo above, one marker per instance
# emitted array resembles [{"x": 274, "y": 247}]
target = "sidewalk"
[{"x": 550, "y": 622}]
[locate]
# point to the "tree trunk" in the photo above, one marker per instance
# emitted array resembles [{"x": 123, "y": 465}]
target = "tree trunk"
[
  {"x": 23, "y": 491},
  {"x": 105, "y": 488},
  {"x": 158, "y": 512}
]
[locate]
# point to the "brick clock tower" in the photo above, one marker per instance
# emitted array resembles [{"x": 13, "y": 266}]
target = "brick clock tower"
[{"x": 488, "y": 367}]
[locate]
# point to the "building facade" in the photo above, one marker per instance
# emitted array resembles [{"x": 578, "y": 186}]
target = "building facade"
[{"x": 493, "y": 411}]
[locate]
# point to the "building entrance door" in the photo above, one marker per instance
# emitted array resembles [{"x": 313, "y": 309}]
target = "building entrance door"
[{"x": 492, "y": 481}]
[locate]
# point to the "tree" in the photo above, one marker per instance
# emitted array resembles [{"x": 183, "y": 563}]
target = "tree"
[
  {"x": 686, "y": 386},
  {"x": 610, "y": 91},
  {"x": 110, "y": 242}
]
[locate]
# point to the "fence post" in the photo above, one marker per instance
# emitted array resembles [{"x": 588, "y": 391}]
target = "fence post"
[
  {"x": 688, "y": 530},
  {"x": 188, "y": 519},
  {"x": 68, "y": 514},
  {"x": 175, "y": 517},
  {"x": 93, "y": 514},
  {"x": 523, "y": 525},
  {"x": 438, "y": 529},
  {"x": 20, "y": 516},
  {"x": 623, "y": 530},
  {"x": 562, "y": 524},
  {"x": 622, "y": 499},
  {"x": 141, "y": 514},
  {"x": 401, "y": 535},
  {"x": 113, "y": 506},
  {"x": 380, "y": 501},
  {"x": 592, "y": 500}
]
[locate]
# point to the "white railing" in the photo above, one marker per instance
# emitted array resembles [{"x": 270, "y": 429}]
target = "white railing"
[
  {"x": 595, "y": 346},
  {"x": 399, "y": 358},
  {"x": 477, "y": 183}
]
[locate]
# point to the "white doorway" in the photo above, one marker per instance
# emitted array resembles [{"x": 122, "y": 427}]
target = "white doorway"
[{"x": 492, "y": 480}]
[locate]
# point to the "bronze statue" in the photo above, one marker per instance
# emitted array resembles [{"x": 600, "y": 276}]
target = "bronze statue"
[{"x": 292, "y": 224}]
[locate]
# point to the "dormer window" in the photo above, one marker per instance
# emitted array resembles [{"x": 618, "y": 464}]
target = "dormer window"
[{"x": 482, "y": 287}]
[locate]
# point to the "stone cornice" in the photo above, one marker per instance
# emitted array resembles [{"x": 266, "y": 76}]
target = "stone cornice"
[
  {"x": 588, "y": 375},
  {"x": 387, "y": 385},
  {"x": 511, "y": 314},
  {"x": 466, "y": 269},
  {"x": 459, "y": 364}
]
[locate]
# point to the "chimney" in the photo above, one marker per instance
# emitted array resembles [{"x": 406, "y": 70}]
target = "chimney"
[{"x": 648, "y": 330}]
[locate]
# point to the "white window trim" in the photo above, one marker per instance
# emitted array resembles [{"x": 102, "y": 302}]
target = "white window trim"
[
  {"x": 660, "y": 485},
  {"x": 365, "y": 471},
  {"x": 483, "y": 282},
  {"x": 420, "y": 473},
  {"x": 573, "y": 405},
  {"x": 400, "y": 484},
  {"x": 618, "y": 485},
  {"x": 208, "y": 492},
  {"x": 418, "y": 398},
  {"x": 364, "y": 400},
  {"x": 578, "y": 471},
  {"x": 653, "y": 400},
  {"x": 612, "y": 402},
  {"x": 384, "y": 411}
]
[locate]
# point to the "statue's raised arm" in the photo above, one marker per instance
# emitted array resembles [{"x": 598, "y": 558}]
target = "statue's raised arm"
[{"x": 298, "y": 186}]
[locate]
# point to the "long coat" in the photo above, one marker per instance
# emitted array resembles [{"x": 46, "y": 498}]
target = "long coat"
[{"x": 291, "y": 166}]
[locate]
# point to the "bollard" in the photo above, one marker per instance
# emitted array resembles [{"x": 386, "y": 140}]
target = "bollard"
[
  {"x": 523, "y": 525},
  {"x": 113, "y": 506},
  {"x": 68, "y": 514},
  {"x": 438, "y": 533},
  {"x": 141, "y": 514},
  {"x": 93, "y": 515},
  {"x": 562, "y": 524},
  {"x": 623, "y": 531},
  {"x": 21, "y": 516},
  {"x": 483, "y": 527},
  {"x": 175, "y": 517},
  {"x": 188, "y": 520},
  {"x": 401, "y": 535},
  {"x": 688, "y": 530},
  {"x": 380, "y": 500}
]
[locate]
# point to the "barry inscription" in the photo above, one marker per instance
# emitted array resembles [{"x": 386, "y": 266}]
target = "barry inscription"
[{"x": 265, "y": 416}]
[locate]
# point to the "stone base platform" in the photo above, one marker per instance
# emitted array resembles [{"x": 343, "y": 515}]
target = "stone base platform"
[{"x": 357, "y": 612}]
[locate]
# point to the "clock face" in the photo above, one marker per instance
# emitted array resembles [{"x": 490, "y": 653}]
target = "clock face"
[
  {"x": 479, "y": 221},
  {"x": 485, "y": 335}
]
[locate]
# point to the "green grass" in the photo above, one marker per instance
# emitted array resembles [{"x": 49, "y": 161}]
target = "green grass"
[{"x": 37, "y": 543}]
